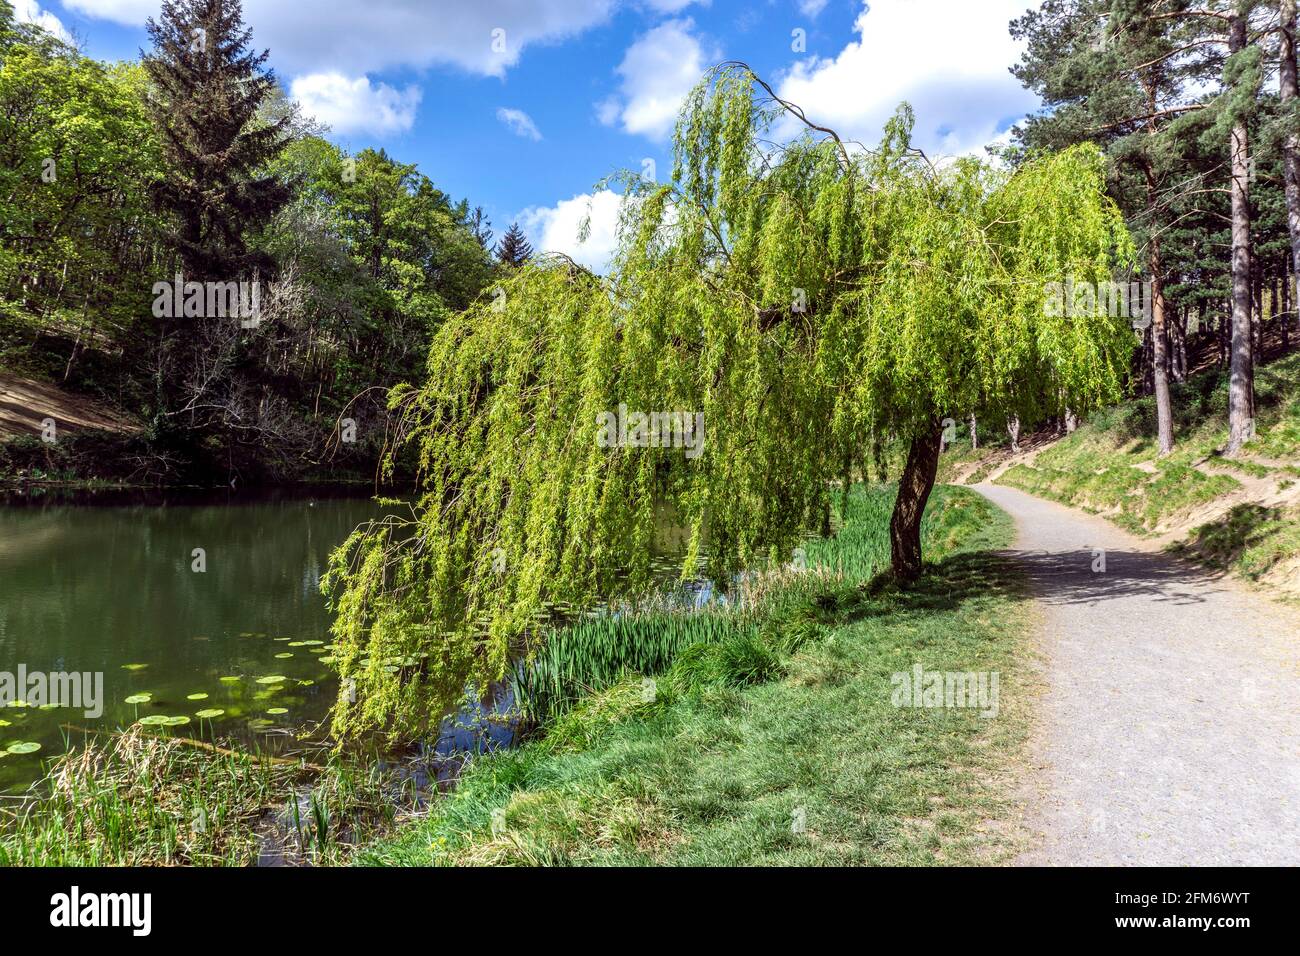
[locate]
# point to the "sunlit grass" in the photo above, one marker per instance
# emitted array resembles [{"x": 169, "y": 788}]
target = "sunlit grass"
[{"x": 709, "y": 764}]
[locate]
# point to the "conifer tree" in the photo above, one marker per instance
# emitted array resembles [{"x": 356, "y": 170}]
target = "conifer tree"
[
  {"x": 514, "y": 249},
  {"x": 208, "y": 90}
]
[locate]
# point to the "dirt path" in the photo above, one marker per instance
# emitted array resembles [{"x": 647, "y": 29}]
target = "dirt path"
[
  {"x": 25, "y": 404},
  {"x": 1170, "y": 723}
]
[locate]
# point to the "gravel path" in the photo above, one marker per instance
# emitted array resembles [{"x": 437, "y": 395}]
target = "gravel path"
[{"x": 1170, "y": 722}]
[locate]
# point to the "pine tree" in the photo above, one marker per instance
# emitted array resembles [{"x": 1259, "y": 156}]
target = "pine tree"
[
  {"x": 514, "y": 250},
  {"x": 1113, "y": 72},
  {"x": 480, "y": 226},
  {"x": 1289, "y": 92},
  {"x": 209, "y": 88}
]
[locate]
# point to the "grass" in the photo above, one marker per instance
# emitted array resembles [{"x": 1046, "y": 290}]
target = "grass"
[
  {"x": 138, "y": 799},
  {"x": 775, "y": 614},
  {"x": 1250, "y": 540},
  {"x": 1110, "y": 464},
  {"x": 713, "y": 761}
]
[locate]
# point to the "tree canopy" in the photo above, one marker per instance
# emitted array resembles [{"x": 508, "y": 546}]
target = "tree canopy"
[{"x": 800, "y": 300}]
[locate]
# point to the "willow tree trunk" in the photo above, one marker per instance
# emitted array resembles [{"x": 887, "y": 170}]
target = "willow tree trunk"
[
  {"x": 1287, "y": 89},
  {"x": 1241, "y": 375},
  {"x": 914, "y": 488}
]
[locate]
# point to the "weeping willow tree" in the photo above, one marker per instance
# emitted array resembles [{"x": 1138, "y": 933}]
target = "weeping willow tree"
[{"x": 800, "y": 301}]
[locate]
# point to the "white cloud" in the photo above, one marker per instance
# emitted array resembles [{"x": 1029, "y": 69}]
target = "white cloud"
[
  {"x": 810, "y": 8},
  {"x": 29, "y": 11},
  {"x": 673, "y": 6},
  {"x": 555, "y": 228},
  {"x": 354, "y": 105},
  {"x": 948, "y": 58},
  {"x": 357, "y": 38},
  {"x": 519, "y": 123},
  {"x": 657, "y": 71}
]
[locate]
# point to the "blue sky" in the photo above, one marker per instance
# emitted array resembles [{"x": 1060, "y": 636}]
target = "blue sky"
[{"x": 522, "y": 106}]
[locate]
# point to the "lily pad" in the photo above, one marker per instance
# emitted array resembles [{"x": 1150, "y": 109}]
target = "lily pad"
[
  {"x": 277, "y": 710},
  {"x": 196, "y": 696},
  {"x": 24, "y": 747},
  {"x": 139, "y": 698},
  {"x": 153, "y": 720},
  {"x": 272, "y": 679},
  {"x": 176, "y": 721},
  {"x": 230, "y": 680},
  {"x": 210, "y": 713},
  {"x": 18, "y": 704},
  {"x": 5, "y": 723},
  {"x": 306, "y": 683},
  {"x": 134, "y": 667},
  {"x": 283, "y": 657}
]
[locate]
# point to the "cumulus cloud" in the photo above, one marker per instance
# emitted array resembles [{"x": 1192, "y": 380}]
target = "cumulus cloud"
[
  {"x": 948, "y": 58},
  {"x": 486, "y": 37},
  {"x": 29, "y": 11},
  {"x": 555, "y": 228},
  {"x": 810, "y": 8},
  {"x": 354, "y": 105},
  {"x": 673, "y": 6},
  {"x": 519, "y": 123},
  {"x": 657, "y": 72}
]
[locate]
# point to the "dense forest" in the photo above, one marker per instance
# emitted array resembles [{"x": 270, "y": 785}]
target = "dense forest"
[{"x": 192, "y": 166}]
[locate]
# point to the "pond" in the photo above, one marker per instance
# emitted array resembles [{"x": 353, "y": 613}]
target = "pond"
[
  {"x": 108, "y": 585},
  {"x": 114, "y": 588}
]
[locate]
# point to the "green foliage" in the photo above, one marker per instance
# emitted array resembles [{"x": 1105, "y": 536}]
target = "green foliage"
[
  {"x": 1251, "y": 539},
  {"x": 1110, "y": 463},
  {"x": 357, "y": 269},
  {"x": 803, "y": 301},
  {"x": 76, "y": 157},
  {"x": 709, "y": 774},
  {"x": 207, "y": 93}
]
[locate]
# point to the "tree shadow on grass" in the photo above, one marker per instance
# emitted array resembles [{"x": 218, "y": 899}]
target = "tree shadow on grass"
[
  {"x": 1222, "y": 541},
  {"x": 945, "y": 586}
]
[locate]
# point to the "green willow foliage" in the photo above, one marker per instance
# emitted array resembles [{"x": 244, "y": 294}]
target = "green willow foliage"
[{"x": 922, "y": 296}]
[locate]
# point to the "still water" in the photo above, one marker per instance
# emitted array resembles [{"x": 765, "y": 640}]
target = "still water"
[{"x": 111, "y": 589}]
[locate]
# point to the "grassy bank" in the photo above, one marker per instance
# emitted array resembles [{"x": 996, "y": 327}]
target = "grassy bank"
[
  {"x": 1238, "y": 513},
  {"x": 141, "y": 799},
  {"x": 787, "y": 719}
]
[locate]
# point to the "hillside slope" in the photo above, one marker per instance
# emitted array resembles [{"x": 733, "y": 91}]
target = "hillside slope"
[{"x": 1241, "y": 515}]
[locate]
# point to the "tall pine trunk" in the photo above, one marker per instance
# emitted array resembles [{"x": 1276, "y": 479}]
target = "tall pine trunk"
[
  {"x": 1241, "y": 376},
  {"x": 914, "y": 487},
  {"x": 1159, "y": 327},
  {"x": 1287, "y": 88}
]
